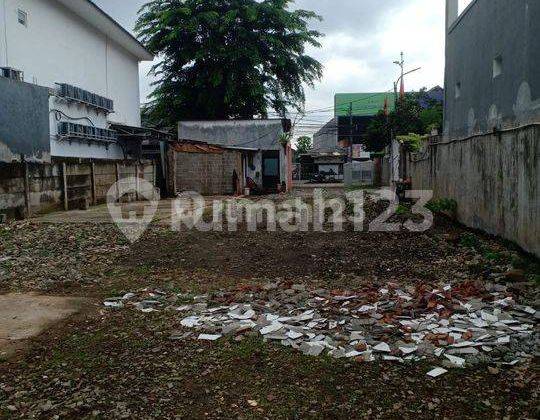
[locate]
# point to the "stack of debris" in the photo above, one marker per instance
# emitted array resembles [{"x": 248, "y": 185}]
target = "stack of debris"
[{"x": 462, "y": 325}]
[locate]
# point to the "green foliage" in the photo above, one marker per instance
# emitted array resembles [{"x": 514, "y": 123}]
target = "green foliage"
[
  {"x": 408, "y": 117},
  {"x": 402, "y": 210},
  {"x": 494, "y": 256},
  {"x": 412, "y": 141},
  {"x": 226, "y": 58},
  {"x": 470, "y": 240},
  {"x": 303, "y": 145},
  {"x": 284, "y": 139},
  {"x": 378, "y": 133},
  {"x": 432, "y": 118},
  {"x": 442, "y": 205}
]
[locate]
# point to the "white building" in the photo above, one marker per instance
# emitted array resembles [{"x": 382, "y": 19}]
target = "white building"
[{"x": 73, "y": 42}]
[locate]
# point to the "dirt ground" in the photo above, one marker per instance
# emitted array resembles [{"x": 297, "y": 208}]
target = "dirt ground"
[
  {"x": 120, "y": 364},
  {"x": 24, "y": 316}
]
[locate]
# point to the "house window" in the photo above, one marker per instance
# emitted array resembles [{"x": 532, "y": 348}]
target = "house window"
[
  {"x": 497, "y": 66},
  {"x": 458, "y": 90},
  {"x": 22, "y": 17}
]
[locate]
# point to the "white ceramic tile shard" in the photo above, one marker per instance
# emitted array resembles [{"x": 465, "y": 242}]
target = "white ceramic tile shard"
[
  {"x": 408, "y": 350},
  {"x": 294, "y": 335},
  {"x": 109, "y": 304},
  {"x": 392, "y": 358},
  {"x": 275, "y": 326},
  {"x": 456, "y": 361},
  {"x": 488, "y": 317},
  {"x": 190, "y": 322},
  {"x": 209, "y": 337},
  {"x": 354, "y": 326},
  {"x": 312, "y": 349},
  {"x": 437, "y": 372},
  {"x": 249, "y": 314},
  {"x": 382, "y": 347}
]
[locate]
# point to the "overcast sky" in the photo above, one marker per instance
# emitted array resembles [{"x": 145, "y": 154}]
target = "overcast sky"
[{"x": 363, "y": 38}]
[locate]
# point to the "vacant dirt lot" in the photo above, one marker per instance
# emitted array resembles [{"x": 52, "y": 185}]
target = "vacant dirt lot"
[{"x": 107, "y": 363}]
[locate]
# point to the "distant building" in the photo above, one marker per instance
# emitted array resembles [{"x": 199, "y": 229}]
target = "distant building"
[
  {"x": 325, "y": 138},
  {"x": 67, "y": 72},
  {"x": 492, "y": 61},
  {"x": 433, "y": 96},
  {"x": 362, "y": 104},
  {"x": 339, "y": 135},
  {"x": 265, "y": 161}
]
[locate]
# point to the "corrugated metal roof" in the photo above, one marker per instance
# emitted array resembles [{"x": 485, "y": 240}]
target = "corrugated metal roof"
[{"x": 197, "y": 148}]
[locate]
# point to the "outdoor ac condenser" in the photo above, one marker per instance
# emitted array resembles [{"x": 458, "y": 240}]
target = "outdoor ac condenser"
[{"x": 74, "y": 93}]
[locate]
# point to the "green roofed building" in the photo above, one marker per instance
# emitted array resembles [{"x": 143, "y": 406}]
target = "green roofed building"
[{"x": 363, "y": 104}]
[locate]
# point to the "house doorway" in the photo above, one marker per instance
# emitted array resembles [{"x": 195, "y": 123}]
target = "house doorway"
[{"x": 270, "y": 170}]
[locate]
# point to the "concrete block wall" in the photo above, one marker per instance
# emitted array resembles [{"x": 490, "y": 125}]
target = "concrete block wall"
[
  {"x": 12, "y": 189},
  {"x": 494, "y": 178},
  {"x": 36, "y": 188},
  {"x": 105, "y": 177},
  {"x": 205, "y": 173},
  {"x": 45, "y": 187},
  {"x": 79, "y": 185}
]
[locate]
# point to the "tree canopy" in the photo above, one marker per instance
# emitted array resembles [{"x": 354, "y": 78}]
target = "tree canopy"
[
  {"x": 303, "y": 145},
  {"x": 408, "y": 118},
  {"x": 227, "y": 58}
]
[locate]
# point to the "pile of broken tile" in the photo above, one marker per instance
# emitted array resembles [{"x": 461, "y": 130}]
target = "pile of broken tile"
[{"x": 461, "y": 325}]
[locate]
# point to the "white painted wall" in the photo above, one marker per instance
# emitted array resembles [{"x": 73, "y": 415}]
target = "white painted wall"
[{"x": 57, "y": 46}]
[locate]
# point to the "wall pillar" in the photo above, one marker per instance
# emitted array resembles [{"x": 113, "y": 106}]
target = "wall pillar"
[
  {"x": 137, "y": 182},
  {"x": 27, "y": 205},
  {"x": 93, "y": 181},
  {"x": 65, "y": 186},
  {"x": 452, "y": 12},
  {"x": 4, "y": 61},
  {"x": 117, "y": 169}
]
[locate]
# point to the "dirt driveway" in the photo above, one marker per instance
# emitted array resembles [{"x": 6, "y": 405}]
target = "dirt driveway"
[{"x": 25, "y": 316}]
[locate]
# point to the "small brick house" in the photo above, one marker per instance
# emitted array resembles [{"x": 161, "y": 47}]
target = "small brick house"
[
  {"x": 206, "y": 169},
  {"x": 223, "y": 157}
]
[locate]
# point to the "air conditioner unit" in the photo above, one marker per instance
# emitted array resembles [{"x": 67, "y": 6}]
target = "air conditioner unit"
[
  {"x": 63, "y": 128},
  {"x": 86, "y": 132},
  {"x": 12, "y": 74},
  {"x": 80, "y": 95}
]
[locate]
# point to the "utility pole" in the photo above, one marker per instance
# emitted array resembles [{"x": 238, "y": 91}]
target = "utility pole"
[
  {"x": 402, "y": 67},
  {"x": 401, "y": 64},
  {"x": 351, "y": 128},
  {"x": 401, "y": 78}
]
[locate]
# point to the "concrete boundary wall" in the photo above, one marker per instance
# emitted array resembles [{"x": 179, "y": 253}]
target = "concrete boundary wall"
[
  {"x": 36, "y": 188},
  {"x": 495, "y": 179}
]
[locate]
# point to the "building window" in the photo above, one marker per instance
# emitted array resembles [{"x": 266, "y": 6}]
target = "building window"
[
  {"x": 22, "y": 17},
  {"x": 497, "y": 66},
  {"x": 458, "y": 90}
]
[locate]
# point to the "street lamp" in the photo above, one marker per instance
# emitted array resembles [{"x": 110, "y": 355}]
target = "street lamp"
[{"x": 400, "y": 78}]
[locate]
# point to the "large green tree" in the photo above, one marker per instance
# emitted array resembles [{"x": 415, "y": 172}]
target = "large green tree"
[
  {"x": 227, "y": 58},
  {"x": 303, "y": 145}
]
